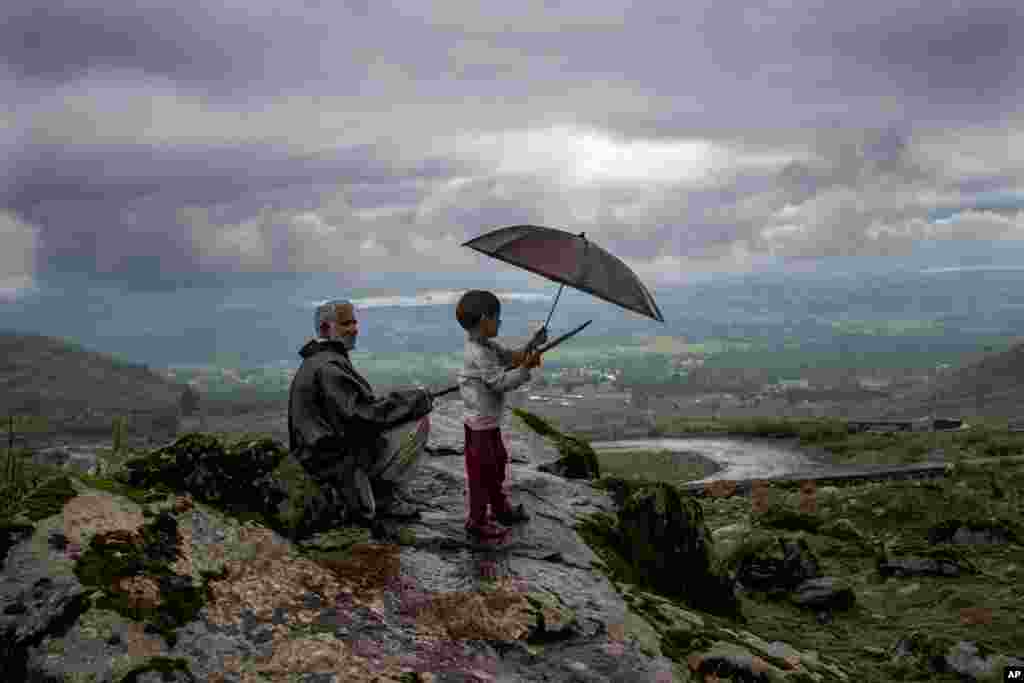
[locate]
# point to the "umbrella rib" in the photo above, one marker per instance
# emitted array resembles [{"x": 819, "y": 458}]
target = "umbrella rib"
[
  {"x": 559, "y": 279},
  {"x": 576, "y": 286}
]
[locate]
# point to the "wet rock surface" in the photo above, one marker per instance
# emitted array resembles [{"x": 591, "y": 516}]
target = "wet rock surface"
[
  {"x": 778, "y": 566},
  {"x": 289, "y": 594},
  {"x": 924, "y": 566},
  {"x": 824, "y": 593},
  {"x": 334, "y": 603}
]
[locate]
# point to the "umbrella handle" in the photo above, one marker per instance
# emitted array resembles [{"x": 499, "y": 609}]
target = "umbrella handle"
[
  {"x": 547, "y": 347},
  {"x": 445, "y": 391}
]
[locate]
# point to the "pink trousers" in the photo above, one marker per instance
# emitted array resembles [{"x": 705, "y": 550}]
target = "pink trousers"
[{"x": 487, "y": 465}]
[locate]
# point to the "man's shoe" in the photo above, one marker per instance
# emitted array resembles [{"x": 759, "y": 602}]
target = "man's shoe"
[
  {"x": 516, "y": 515},
  {"x": 391, "y": 502},
  {"x": 397, "y": 508}
]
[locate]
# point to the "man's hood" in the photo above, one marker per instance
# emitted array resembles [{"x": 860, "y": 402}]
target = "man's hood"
[{"x": 315, "y": 346}]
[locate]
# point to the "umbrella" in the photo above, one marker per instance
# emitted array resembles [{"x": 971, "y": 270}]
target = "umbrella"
[{"x": 569, "y": 260}]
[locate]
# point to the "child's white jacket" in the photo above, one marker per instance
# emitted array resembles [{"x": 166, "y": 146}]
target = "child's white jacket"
[{"x": 484, "y": 381}]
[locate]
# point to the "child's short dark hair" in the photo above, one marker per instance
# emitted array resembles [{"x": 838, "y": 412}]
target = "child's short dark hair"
[{"x": 474, "y": 305}]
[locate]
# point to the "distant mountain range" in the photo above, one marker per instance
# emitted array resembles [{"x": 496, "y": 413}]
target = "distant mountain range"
[
  {"x": 992, "y": 386},
  {"x": 82, "y": 390},
  {"x": 266, "y": 327}
]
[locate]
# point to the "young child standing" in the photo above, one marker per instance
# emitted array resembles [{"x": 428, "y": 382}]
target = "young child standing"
[{"x": 483, "y": 384}]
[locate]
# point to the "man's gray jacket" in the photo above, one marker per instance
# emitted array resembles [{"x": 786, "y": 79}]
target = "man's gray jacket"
[{"x": 333, "y": 414}]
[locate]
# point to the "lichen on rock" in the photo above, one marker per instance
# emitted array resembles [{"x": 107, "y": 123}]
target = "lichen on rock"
[{"x": 132, "y": 570}]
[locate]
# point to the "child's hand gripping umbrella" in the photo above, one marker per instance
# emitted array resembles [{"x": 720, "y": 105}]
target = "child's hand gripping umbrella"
[{"x": 547, "y": 347}]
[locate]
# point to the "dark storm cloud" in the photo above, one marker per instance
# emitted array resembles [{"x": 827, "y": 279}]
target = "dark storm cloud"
[
  {"x": 941, "y": 52},
  {"x": 116, "y": 207},
  {"x": 119, "y": 174},
  {"x": 147, "y": 140},
  {"x": 62, "y": 41}
]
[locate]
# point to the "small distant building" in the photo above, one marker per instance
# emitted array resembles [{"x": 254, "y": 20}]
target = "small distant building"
[
  {"x": 873, "y": 383},
  {"x": 680, "y": 363},
  {"x": 784, "y": 384}
]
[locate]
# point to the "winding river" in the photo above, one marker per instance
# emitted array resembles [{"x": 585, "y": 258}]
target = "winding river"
[{"x": 738, "y": 458}]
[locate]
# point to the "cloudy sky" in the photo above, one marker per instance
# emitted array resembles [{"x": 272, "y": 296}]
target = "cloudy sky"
[{"x": 142, "y": 141}]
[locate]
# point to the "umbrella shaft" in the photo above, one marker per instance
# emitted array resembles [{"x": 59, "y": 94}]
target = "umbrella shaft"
[{"x": 560, "y": 288}]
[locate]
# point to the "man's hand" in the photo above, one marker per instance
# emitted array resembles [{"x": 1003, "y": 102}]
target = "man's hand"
[
  {"x": 540, "y": 337},
  {"x": 428, "y": 399},
  {"x": 532, "y": 360}
]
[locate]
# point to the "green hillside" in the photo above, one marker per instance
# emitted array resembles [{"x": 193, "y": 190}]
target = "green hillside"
[{"x": 71, "y": 385}]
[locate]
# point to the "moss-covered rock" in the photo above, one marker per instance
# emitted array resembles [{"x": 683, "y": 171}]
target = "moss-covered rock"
[
  {"x": 210, "y": 469},
  {"x": 658, "y": 539},
  {"x": 30, "y": 491},
  {"x": 662, "y": 529},
  {"x": 704, "y": 645},
  {"x": 252, "y": 479},
  {"x": 578, "y": 461},
  {"x": 976, "y": 532},
  {"x": 919, "y": 652},
  {"x": 774, "y": 564}
]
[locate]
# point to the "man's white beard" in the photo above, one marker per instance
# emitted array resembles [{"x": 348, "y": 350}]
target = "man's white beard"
[{"x": 347, "y": 340}]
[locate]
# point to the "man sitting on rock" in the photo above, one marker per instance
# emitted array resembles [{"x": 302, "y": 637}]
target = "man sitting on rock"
[{"x": 335, "y": 422}]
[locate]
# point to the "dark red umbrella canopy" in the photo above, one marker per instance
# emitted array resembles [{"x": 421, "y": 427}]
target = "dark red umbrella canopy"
[{"x": 571, "y": 260}]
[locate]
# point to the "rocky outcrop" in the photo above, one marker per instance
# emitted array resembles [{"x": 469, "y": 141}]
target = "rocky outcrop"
[
  {"x": 924, "y": 566},
  {"x": 936, "y": 654},
  {"x": 210, "y": 561},
  {"x": 777, "y": 564},
  {"x": 661, "y": 537},
  {"x": 714, "y": 647},
  {"x": 968, "y": 532}
]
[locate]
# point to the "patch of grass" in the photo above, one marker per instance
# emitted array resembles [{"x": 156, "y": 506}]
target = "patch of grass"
[
  {"x": 811, "y": 431},
  {"x": 142, "y": 496},
  {"x": 900, "y": 514},
  {"x": 780, "y": 517},
  {"x": 166, "y": 666},
  {"x": 655, "y": 466},
  {"x": 31, "y": 491}
]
